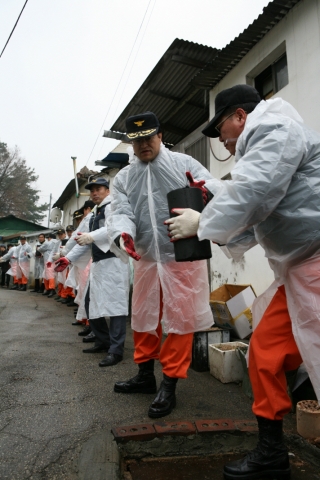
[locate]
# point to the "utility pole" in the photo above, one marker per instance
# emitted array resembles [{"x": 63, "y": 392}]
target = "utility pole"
[{"x": 49, "y": 210}]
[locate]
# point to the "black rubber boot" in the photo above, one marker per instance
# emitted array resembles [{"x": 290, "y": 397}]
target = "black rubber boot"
[
  {"x": 23, "y": 288},
  {"x": 165, "y": 400},
  {"x": 144, "y": 382},
  {"x": 268, "y": 460},
  {"x": 15, "y": 287},
  {"x": 36, "y": 286},
  {"x": 52, "y": 293}
]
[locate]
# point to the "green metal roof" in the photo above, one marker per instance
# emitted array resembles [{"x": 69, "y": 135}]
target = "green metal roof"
[{"x": 11, "y": 227}]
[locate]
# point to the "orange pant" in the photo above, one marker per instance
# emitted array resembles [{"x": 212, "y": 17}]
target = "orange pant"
[
  {"x": 174, "y": 354},
  {"x": 49, "y": 284},
  {"x": 15, "y": 280},
  {"x": 23, "y": 280},
  {"x": 273, "y": 351},
  {"x": 66, "y": 292}
]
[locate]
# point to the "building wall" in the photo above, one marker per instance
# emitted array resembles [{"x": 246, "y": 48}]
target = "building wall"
[
  {"x": 299, "y": 34},
  {"x": 74, "y": 203}
]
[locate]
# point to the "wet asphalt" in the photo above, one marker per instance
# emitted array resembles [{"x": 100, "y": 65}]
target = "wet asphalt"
[{"x": 57, "y": 406}]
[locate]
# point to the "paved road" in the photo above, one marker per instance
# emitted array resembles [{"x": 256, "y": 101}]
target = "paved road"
[{"x": 57, "y": 405}]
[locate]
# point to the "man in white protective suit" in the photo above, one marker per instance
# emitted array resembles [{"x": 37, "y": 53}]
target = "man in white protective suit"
[
  {"x": 107, "y": 290},
  {"x": 272, "y": 200},
  {"x": 38, "y": 265},
  {"x": 49, "y": 275},
  {"x": 175, "y": 294},
  {"x": 80, "y": 269},
  {"x": 23, "y": 266}
]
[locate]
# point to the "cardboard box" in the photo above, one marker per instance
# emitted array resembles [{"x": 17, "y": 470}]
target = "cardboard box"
[
  {"x": 225, "y": 362},
  {"x": 231, "y": 308}
]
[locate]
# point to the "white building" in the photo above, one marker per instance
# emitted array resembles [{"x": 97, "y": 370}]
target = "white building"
[{"x": 279, "y": 54}]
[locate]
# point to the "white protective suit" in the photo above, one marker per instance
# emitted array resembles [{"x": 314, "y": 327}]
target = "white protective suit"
[
  {"x": 79, "y": 270},
  {"x": 273, "y": 200},
  {"x": 108, "y": 278},
  {"x": 140, "y": 208},
  {"x": 45, "y": 249},
  {"x": 38, "y": 263},
  {"x": 12, "y": 257},
  {"x": 25, "y": 252}
]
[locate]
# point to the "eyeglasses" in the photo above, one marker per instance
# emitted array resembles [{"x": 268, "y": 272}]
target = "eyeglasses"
[
  {"x": 217, "y": 127},
  {"x": 139, "y": 140}
]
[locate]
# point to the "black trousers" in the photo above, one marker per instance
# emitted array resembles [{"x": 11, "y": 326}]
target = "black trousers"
[{"x": 112, "y": 337}]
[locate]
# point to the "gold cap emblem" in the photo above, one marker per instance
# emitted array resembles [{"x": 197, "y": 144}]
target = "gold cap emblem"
[{"x": 139, "y": 123}]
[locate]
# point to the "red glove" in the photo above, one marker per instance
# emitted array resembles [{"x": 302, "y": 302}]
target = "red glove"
[
  {"x": 194, "y": 183},
  {"x": 49, "y": 264},
  {"x": 62, "y": 264},
  {"x": 127, "y": 244}
]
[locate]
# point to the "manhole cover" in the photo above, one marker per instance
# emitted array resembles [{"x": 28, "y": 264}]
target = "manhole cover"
[{"x": 203, "y": 468}]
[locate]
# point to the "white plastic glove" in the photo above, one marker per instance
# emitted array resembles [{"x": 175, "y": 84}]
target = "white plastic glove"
[
  {"x": 55, "y": 257},
  {"x": 185, "y": 225},
  {"x": 84, "y": 239}
]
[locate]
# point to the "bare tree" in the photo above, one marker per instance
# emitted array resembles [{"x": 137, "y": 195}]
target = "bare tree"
[{"x": 17, "y": 196}]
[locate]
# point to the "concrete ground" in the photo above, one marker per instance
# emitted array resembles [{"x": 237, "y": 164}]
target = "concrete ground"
[{"x": 57, "y": 406}]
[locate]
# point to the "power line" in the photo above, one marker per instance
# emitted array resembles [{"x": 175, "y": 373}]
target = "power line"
[
  {"x": 13, "y": 28},
  {"x": 115, "y": 93},
  {"x": 134, "y": 59}
]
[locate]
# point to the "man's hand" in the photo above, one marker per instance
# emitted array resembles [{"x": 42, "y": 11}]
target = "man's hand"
[
  {"x": 84, "y": 239},
  {"x": 55, "y": 257},
  {"x": 185, "y": 225},
  {"x": 200, "y": 185},
  {"x": 61, "y": 264},
  {"x": 127, "y": 245}
]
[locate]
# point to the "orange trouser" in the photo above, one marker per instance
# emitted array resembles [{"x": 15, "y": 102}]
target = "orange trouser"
[
  {"x": 49, "y": 284},
  {"x": 15, "y": 279},
  {"x": 23, "y": 280},
  {"x": 66, "y": 292},
  {"x": 273, "y": 351},
  {"x": 174, "y": 354}
]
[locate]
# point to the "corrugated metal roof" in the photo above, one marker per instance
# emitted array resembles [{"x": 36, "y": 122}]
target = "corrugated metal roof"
[
  {"x": 177, "y": 88},
  {"x": 167, "y": 92},
  {"x": 12, "y": 226},
  {"x": 68, "y": 192},
  {"x": 230, "y": 55}
]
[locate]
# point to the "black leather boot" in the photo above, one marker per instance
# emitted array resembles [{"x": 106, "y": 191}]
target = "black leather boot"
[
  {"x": 269, "y": 459},
  {"x": 165, "y": 400},
  {"x": 36, "y": 286},
  {"x": 23, "y": 288},
  {"x": 15, "y": 287},
  {"x": 52, "y": 293},
  {"x": 144, "y": 382}
]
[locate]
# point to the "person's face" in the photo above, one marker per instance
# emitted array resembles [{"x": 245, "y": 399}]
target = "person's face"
[
  {"x": 41, "y": 238},
  {"x": 147, "y": 148},
  {"x": 230, "y": 128},
  {"x": 61, "y": 236},
  {"x": 98, "y": 193},
  {"x": 22, "y": 241},
  {"x": 69, "y": 233},
  {"x": 86, "y": 211},
  {"x": 78, "y": 220},
  {"x": 2, "y": 249}
]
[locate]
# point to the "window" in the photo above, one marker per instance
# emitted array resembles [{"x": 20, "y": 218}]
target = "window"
[{"x": 273, "y": 78}]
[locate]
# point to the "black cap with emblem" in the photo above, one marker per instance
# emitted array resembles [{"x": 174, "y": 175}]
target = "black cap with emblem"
[
  {"x": 142, "y": 125},
  {"x": 97, "y": 181}
]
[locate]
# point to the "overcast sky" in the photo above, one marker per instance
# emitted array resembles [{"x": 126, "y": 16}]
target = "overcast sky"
[{"x": 72, "y": 66}]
